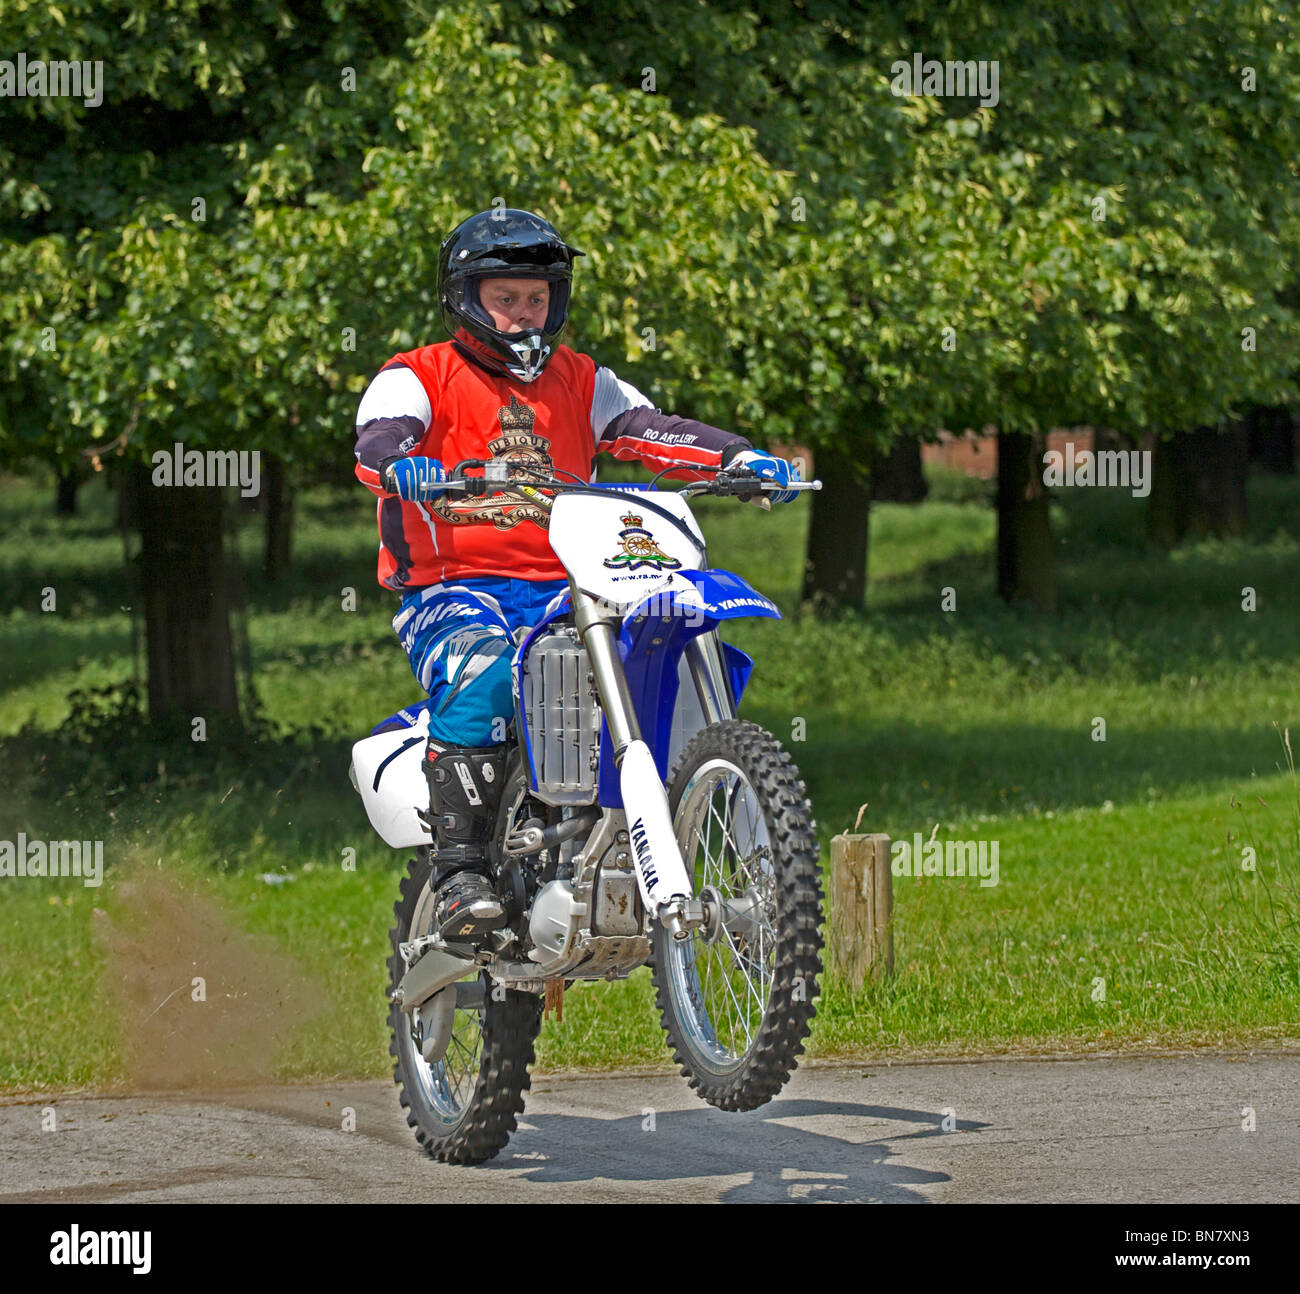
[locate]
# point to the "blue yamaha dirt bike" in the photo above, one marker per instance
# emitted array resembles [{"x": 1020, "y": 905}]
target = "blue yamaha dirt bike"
[{"x": 641, "y": 823}]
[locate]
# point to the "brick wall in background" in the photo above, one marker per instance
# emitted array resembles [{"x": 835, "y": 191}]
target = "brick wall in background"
[{"x": 978, "y": 455}]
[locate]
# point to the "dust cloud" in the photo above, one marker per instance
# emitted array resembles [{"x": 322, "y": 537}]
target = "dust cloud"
[{"x": 201, "y": 1002}]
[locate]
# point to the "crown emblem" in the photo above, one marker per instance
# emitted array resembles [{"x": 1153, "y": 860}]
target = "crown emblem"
[
  {"x": 631, "y": 520},
  {"x": 517, "y": 431}
]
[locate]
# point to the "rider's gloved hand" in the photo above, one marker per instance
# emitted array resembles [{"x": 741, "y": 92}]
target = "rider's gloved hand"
[
  {"x": 414, "y": 479},
  {"x": 770, "y": 468}
]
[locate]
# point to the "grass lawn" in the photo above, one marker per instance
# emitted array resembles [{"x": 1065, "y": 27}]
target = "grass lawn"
[{"x": 1122, "y": 916}]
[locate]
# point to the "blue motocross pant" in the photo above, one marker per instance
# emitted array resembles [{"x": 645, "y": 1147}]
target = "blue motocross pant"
[{"x": 459, "y": 639}]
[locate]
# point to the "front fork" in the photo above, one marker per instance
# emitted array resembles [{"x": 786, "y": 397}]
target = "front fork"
[
  {"x": 711, "y": 677},
  {"x": 666, "y": 889}
]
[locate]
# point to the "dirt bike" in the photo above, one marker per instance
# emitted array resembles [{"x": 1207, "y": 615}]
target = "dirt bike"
[{"x": 641, "y": 823}]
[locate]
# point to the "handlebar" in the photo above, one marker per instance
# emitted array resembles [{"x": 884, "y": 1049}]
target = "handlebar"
[
  {"x": 734, "y": 483},
  {"x": 741, "y": 484}
]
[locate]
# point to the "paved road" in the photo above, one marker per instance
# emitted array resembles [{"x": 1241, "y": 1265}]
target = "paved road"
[{"x": 1107, "y": 1129}]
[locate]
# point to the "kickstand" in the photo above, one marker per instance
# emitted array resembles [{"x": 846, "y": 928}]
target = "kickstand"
[{"x": 554, "y": 999}]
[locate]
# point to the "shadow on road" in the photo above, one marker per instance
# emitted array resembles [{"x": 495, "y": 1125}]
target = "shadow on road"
[{"x": 847, "y": 1160}]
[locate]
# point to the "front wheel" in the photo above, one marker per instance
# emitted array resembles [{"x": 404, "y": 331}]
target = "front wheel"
[{"x": 736, "y": 997}]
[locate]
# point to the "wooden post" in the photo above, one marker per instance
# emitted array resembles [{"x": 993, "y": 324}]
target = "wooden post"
[{"x": 861, "y": 937}]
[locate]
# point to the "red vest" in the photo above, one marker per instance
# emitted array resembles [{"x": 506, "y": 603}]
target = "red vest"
[{"x": 477, "y": 414}]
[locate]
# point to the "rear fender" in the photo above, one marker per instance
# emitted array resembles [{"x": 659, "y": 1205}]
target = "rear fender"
[{"x": 388, "y": 772}]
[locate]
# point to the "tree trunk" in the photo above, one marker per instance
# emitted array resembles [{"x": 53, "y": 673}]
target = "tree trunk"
[
  {"x": 279, "y": 520},
  {"x": 191, "y": 662},
  {"x": 65, "y": 494},
  {"x": 1198, "y": 485},
  {"x": 1026, "y": 561},
  {"x": 1167, "y": 487},
  {"x": 835, "y": 572},
  {"x": 1107, "y": 440},
  {"x": 1272, "y": 439},
  {"x": 896, "y": 477}
]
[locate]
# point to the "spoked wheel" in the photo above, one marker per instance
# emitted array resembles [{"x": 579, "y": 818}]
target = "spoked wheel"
[
  {"x": 736, "y": 997},
  {"x": 462, "y": 1107}
]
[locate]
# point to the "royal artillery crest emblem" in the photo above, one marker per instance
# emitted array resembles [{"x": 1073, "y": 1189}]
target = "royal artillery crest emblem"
[
  {"x": 527, "y": 452},
  {"x": 639, "y": 549}
]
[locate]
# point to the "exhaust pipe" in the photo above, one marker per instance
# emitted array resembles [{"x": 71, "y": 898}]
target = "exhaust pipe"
[{"x": 434, "y": 971}]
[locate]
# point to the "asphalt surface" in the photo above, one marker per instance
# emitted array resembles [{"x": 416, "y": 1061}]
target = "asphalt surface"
[{"x": 1152, "y": 1129}]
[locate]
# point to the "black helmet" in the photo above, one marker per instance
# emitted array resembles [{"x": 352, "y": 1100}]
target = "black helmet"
[{"x": 504, "y": 243}]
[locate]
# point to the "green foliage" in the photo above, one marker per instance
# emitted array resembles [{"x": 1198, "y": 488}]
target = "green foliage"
[
  {"x": 947, "y": 265},
  {"x": 259, "y": 324},
  {"x": 1266, "y": 884},
  {"x": 1095, "y": 242},
  {"x": 951, "y": 485}
]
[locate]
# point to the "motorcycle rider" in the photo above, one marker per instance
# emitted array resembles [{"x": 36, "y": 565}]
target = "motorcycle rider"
[{"x": 471, "y": 571}]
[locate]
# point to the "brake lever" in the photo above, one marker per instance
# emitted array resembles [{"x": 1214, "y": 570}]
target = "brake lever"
[{"x": 745, "y": 477}]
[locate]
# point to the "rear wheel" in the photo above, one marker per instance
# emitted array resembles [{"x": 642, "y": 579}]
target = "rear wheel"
[
  {"x": 736, "y": 997},
  {"x": 464, "y": 1106}
]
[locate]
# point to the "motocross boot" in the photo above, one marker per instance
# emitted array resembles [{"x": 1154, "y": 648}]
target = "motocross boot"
[{"x": 464, "y": 794}]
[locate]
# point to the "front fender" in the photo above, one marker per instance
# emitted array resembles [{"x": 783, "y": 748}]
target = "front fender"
[
  {"x": 654, "y": 635},
  {"x": 718, "y": 595}
]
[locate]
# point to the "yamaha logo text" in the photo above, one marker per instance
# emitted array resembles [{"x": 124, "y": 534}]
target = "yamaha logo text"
[{"x": 643, "y": 856}]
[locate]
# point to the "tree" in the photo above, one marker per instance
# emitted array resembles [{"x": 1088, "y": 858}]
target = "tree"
[
  {"x": 135, "y": 279},
  {"x": 1272, "y": 433},
  {"x": 1089, "y": 248},
  {"x": 229, "y": 274},
  {"x": 1198, "y": 485}
]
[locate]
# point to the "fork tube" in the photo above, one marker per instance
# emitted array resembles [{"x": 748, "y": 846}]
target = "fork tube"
[
  {"x": 709, "y": 673},
  {"x": 597, "y": 630}
]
